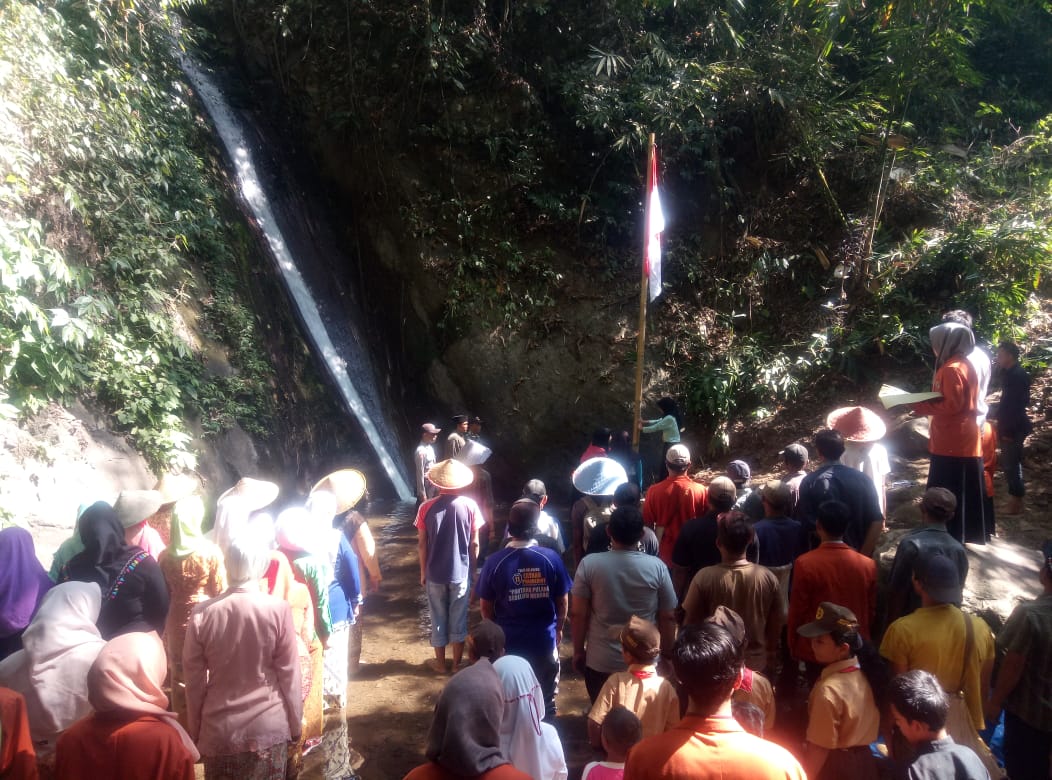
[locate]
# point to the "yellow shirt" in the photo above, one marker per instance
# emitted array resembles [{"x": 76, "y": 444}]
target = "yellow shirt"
[
  {"x": 841, "y": 710},
  {"x": 933, "y": 639}
]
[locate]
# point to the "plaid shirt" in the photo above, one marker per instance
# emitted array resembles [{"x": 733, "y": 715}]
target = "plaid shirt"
[{"x": 1029, "y": 633}]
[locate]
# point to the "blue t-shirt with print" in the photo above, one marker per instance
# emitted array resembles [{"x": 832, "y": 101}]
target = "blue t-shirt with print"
[{"x": 523, "y": 583}]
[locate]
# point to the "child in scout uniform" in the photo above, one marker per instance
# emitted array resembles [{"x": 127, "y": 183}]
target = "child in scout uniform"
[
  {"x": 843, "y": 718},
  {"x": 754, "y": 689},
  {"x": 652, "y": 698}
]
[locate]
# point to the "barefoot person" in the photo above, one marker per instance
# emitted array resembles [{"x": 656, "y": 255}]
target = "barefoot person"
[{"x": 448, "y": 546}]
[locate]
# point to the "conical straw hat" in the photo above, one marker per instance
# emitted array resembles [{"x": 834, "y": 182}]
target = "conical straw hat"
[
  {"x": 599, "y": 476},
  {"x": 450, "y": 475},
  {"x": 348, "y": 485},
  {"x": 254, "y": 493},
  {"x": 857, "y": 423},
  {"x": 173, "y": 487}
]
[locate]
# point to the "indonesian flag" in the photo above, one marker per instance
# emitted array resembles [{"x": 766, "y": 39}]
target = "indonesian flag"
[{"x": 655, "y": 227}]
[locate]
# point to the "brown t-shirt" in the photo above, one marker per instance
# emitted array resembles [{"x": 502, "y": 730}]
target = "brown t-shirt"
[{"x": 747, "y": 588}]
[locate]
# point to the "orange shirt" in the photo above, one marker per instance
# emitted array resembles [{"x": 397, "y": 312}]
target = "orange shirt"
[
  {"x": 954, "y": 426},
  {"x": 989, "y": 442},
  {"x": 142, "y": 749},
  {"x": 670, "y": 503},
  {"x": 832, "y": 572},
  {"x": 710, "y": 749},
  {"x": 17, "y": 757}
]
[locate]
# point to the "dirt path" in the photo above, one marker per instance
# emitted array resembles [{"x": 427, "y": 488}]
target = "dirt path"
[{"x": 391, "y": 699}]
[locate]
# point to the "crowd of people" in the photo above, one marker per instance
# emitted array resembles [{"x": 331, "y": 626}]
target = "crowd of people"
[
  {"x": 153, "y": 645},
  {"x": 691, "y": 608}
]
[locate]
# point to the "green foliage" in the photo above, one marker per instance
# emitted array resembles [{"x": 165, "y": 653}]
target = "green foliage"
[
  {"x": 836, "y": 171},
  {"x": 105, "y": 203}
]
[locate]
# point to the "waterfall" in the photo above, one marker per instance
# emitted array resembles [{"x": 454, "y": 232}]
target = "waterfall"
[{"x": 335, "y": 339}]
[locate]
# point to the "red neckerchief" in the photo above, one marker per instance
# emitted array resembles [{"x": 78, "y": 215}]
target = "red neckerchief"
[
  {"x": 746, "y": 683},
  {"x": 642, "y": 674},
  {"x": 854, "y": 668}
]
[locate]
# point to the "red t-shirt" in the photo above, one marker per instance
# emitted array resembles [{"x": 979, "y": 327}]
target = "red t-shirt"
[{"x": 671, "y": 503}]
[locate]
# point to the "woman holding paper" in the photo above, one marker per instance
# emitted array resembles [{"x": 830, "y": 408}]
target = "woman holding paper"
[{"x": 955, "y": 443}]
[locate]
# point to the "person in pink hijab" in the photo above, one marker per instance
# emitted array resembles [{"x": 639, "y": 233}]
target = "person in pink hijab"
[{"x": 131, "y": 734}]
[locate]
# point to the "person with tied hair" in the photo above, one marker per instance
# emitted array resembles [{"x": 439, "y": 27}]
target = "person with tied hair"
[
  {"x": 523, "y": 588},
  {"x": 464, "y": 740},
  {"x": 919, "y": 708},
  {"x": 843, "y": 713},
  {"x": 747, "y": 588},
  {"x": 955, "y": 443},
  {"x": 1024, "y": 682},
  {"x": 244, "y": 692},
  {"x": 930, "y": 538},
  {"x": 608, "y": 589},
  {"x": 708, "y": 743}
]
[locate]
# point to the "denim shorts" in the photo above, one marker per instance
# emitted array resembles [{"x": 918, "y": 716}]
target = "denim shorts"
[{"x": 449, "y": 612}]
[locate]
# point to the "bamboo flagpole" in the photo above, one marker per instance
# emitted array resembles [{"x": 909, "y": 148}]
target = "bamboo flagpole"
[{"x": 650, "y": 283}]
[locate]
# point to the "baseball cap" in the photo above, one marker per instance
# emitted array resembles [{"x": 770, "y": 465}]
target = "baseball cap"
[
  {"x": 829, "y": 617},
  {"x": 721, "y": 486},
  {"x": 677, "y": 455},
  {"x": 939, "y": 503},
  {"x": 641, "y": 639},
  {"x": 797, "y": 453},
  {"x": 429, "y": 428},
  {"x": 940, "y": 579},
  {"x": 729, "y": 619},
  {"x": 739, "y": 471}
]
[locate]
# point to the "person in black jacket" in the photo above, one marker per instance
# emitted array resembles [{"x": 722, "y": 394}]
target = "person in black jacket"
[{"x": 1013, "y": 425}]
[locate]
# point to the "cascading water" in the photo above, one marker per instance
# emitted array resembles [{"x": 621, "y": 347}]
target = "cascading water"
[{"x": 334, "y": 336}]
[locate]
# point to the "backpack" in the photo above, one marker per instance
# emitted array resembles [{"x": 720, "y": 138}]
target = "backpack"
[{"x": 595, "y": 515}]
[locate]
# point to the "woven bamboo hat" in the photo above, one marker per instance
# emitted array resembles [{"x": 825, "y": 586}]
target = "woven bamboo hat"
[
  {"x": 134, "y": 506},
  {"x": 253, "y": 493},
  {"x": 857, "y": 423},
  {"x": 348, "y": 485},
  {"x": 173, "y": 487},
  {"x": 599, "y": 476},
  {"x": 450, "y": 475}
]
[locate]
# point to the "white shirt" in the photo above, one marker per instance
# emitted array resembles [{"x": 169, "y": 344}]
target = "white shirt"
[{"x": 981, "y": 363}]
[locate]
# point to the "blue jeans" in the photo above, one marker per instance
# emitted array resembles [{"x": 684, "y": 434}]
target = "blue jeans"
[
  {"x": 1012, "y": 463},
  {"x": 449, "y": 612}
]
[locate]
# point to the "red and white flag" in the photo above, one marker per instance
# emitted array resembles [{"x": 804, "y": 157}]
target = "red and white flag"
[{"x": 655, "y": 227}]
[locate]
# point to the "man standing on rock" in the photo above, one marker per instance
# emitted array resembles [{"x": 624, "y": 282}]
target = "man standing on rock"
[
  {"x": 523, "y": 589},
  {"x": 608, "y": 589},
  {"x": 673, "y": 501},
  {"x": 448, "y": 545},
  {"x": 423, "y": 460},
  {"x": 458, "y": 437}
]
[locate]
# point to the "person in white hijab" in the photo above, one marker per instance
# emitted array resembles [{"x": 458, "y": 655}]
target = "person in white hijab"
[
  {"x": 59, "y": 647},
  {"x": 527, "y": 742}
]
